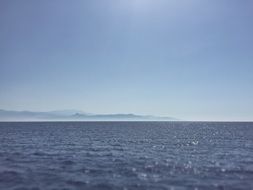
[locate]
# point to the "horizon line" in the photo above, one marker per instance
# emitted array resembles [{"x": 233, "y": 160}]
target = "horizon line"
[{"x": 209, "y": 121}]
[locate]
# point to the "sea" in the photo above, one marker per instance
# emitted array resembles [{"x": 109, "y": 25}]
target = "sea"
[{"x": 126, "y": 155}]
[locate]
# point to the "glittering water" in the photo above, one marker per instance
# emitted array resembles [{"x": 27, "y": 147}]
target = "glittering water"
[{"x": 126, "y": 155}]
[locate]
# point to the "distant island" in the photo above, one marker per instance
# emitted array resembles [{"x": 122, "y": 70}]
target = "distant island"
[{"x": 75, "y": 115}]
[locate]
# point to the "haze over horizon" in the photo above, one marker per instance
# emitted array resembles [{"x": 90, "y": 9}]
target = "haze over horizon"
[{"x": 190, "y": 60}]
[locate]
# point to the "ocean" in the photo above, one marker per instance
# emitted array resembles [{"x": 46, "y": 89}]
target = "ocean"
[{"x": 126, "y": 155}]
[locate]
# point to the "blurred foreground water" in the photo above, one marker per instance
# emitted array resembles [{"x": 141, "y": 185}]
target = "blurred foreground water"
[{"x": 126, "y": 155}]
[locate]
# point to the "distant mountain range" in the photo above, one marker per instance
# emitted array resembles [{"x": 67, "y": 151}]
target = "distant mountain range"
[{"x": 75, "y": 115}]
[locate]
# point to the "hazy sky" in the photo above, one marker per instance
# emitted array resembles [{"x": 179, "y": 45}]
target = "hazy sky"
[{"x": 190, "y": 59}]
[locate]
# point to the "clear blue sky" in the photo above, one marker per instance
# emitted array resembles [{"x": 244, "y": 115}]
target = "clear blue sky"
[{"x": 190, "y": 59}]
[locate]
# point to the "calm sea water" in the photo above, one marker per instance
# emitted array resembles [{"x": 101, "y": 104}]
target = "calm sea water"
[{"x": 126, "y": 155}]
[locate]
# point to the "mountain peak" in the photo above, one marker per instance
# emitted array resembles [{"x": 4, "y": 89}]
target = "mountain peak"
[{"x": 74, "y": 115}]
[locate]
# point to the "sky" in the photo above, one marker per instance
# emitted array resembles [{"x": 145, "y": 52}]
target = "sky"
[{"x": 189, "y": 59}]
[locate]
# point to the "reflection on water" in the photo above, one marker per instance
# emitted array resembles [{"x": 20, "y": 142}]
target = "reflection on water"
[{"x": 126, "y": 155}]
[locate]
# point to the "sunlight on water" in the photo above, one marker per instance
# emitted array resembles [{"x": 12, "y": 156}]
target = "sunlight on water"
[{"x": 126, "y": 155}]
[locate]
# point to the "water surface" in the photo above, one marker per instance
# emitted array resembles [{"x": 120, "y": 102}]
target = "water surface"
[{"x": 126, "y": 155}]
